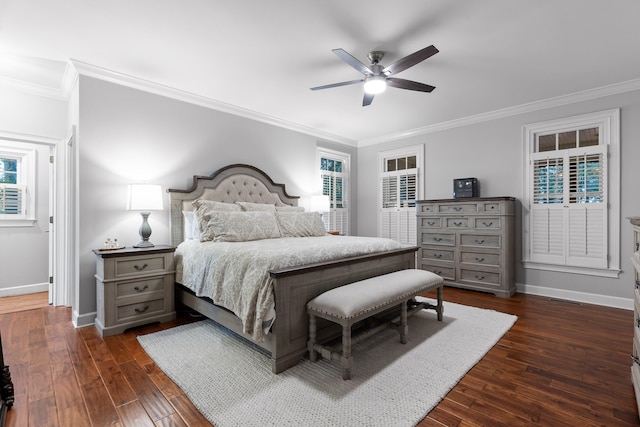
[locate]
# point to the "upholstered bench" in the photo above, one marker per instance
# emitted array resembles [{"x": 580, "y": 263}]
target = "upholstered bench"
[{"x": 349, "y": 304}]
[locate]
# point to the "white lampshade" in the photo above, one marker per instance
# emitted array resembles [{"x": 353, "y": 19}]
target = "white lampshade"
[
  {"x": 320, "y": 203},
  {"x": 374, "y": 85},
  {"x": 144, "y": 197}
]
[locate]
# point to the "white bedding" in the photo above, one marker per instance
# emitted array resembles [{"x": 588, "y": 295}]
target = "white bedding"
[{"x": 235, "y": 275}]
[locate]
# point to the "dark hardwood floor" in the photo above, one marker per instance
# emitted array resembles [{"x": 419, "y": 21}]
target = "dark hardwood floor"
[{"x": 562, "y": 364}]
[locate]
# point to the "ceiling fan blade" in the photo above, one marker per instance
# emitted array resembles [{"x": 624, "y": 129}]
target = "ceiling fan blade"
[
  {"x": 367, "y": 100},
  {"x": 350, "y": 82},
  {"x": 410, "y": 60},
  {"x": 349, "y": 59},
  {"x": 409, "y": 85}
]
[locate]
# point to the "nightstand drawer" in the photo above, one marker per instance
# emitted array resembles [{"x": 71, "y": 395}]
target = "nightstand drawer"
[
  {"x": 141, "y": 265},
  {"x": 128, "y": 312},
  {"x": 140, "y": 287}
]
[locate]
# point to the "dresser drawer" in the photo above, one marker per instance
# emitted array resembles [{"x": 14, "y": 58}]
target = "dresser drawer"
[
  {"x": 480, "y": 240},
  {"x": 438, "y": 239},
  {"x": 429, "y": 222},
  {"x": 462, "y": 208},
  {"x": 484, "y": 277},
  {"x": 426, "y": 208},
  {"x": 437, "y": 254},
  {"x": 480, "y": 258},
  {"x": 457, "y": 222},
  {"x": 447, "y": 273},
  {"x": 491, "y": 207},
  {"x": 487, "y": 223},
  {"x": 131, "y": 266},
  {"x": 140, "y": 287},
  {"x": 128, "y": 312}
]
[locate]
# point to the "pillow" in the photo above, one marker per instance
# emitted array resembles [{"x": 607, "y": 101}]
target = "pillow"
[
  {"x": 300, "y": 224},
  {"x": 190, "y": 226},
  {"x": 240, "y": 226},
  {"x": 204, "y": 209},
  {"x": 249, "y": 206},
  {"x": 289, "y": 209}
]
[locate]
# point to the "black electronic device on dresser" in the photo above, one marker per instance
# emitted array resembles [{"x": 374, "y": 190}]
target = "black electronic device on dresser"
[
  {"x": 465, "y": 187},
  {"x": 6, "y": 388}
]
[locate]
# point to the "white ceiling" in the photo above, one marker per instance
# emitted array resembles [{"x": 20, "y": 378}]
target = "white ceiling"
[{"x": 261, "y": 57}]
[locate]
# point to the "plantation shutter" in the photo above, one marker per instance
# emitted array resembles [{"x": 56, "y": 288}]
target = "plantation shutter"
[
  {"x": 11, "y": 199},
  {"x": 569, "y": 210},
  {"x": 334, "y": 186},
  {"x": 398, "y": 214}
]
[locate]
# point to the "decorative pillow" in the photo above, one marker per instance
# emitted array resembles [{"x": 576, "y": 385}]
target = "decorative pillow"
[
  {"x": 300, "y": 224},
  {"x": 289, "y": 209},
  {"x": 203, "y": 211},
  {"x": 191, "y": 228},
  {"x": 249, "y": 206},
  {"x": 241, "y": 226}
]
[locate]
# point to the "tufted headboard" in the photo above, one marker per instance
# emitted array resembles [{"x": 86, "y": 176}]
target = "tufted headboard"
[{"x": 233, "y": 183}]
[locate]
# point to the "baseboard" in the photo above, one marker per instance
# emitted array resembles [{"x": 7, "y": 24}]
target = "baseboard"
[
  {"x": 587, "y": 298},
  {"x": 24, "y": 290},
  {"x": 88, "y": 319}
]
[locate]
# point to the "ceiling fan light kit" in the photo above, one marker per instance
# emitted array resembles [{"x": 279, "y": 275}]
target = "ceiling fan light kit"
[{"x": 377, "y": 77}]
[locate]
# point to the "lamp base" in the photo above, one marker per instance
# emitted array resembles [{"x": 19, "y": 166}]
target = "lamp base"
[
  {"x": 145, "y": 232},
  {"x": 143, "y": 244}
]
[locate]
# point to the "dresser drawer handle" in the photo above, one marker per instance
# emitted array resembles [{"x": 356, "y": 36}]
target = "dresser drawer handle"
[
  {"x": 457, "y": 224},
  {"x": 437, "y": 239},
  {"x": 637, "y": 246},
  {"x": 479, "y": 277},
  {"x": 456, "y": 208},
  {"x": 479, "y": 259},
  {"x": 437, "y": 256},
  {"x": 492, "y": 207},
  {"x": 431, "y": 222},
  {"x": 635, "y": 359},
  {"x": 144, "y": 288},
  {"x": 437, "y": 271},
  {"x": 637, "y": 284},
  {"x": 141, "y": 310},
  {"x": 479, "y": 241},
  {"x": 140, "y": 268},
  {"x": 487, "y": 224}
]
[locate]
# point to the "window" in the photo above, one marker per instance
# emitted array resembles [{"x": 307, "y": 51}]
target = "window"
[
  {"x": 334, "y": 176},
  {"x": 17, "y": 182},
  {"x": 398, "y": 191},
  {"x": 572, "y": 223}
]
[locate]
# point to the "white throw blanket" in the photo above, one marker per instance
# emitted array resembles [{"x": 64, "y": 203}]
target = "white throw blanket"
[{"x": 235, "y": 275}]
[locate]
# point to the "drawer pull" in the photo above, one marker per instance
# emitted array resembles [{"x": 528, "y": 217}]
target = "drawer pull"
[
  {"x": 479, "y": 259},
  {"x": 431, "y": 222},
  {"x": 487, "y": 224},
  {"x": 637, "y": 246},
  {"x": 479, "y": 277},
  {"x": 457, "y": 224},
  {"x": 141, "y": 310},
  {"x": 144, "y": 288},
  {"x": 637, "y": 284},
  {"x": 638, "y": 322},
  {"x": 635, "y": 359},
  {"x": 437, "y": 256},
  {"x": 140, "y": 268},
  {"x": 437, "y": 239},
  {"x": 456, "y": 208},
  {"x": 492, "y": 207},
  {"x": 479, "y": 241},
  {"x": 437, "y": 271}
]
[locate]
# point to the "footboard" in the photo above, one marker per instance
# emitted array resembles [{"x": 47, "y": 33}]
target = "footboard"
[{"x": 294, "y": 287}]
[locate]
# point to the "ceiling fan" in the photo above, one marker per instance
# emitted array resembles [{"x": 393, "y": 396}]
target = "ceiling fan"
[{"x": 377, "y": 77}]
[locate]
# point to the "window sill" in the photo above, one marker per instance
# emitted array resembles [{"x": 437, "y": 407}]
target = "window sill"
[
  {"x": 17, "y": 222},
  {"x": 613, "y": 273}
]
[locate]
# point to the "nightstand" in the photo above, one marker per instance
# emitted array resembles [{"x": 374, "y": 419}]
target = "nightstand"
[{"x": 134, "y": 286}]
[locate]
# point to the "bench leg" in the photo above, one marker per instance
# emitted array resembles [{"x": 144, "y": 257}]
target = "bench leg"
[
  {"x": 404, "y": 325},
  {"x": 346, "y": 360},
  {"x": 313, "y": 355},
  {"x": 439, "y": 308}
]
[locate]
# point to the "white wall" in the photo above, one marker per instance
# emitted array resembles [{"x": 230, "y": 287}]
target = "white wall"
[
  {"x": 24, "y": 253},
  {"x": 126, "y": 135},
  {"x": 492, "y": 152}
]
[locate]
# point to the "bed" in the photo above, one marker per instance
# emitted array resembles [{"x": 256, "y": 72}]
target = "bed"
[{"x": 290, "y": 287}]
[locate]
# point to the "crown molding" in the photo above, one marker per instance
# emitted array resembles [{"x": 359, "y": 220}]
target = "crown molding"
[
  {"x": 614, "y": 89},
  {"x": 90, "y": 70}
]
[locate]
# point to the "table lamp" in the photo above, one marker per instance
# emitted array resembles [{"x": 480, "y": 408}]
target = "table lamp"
[{"x": 144, "y": 198}]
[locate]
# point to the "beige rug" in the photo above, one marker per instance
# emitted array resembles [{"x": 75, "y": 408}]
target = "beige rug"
[{"x": 392, "y": 385}]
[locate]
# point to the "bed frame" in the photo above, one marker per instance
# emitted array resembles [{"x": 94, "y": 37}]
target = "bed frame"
[{"x": 293, "y": 287}]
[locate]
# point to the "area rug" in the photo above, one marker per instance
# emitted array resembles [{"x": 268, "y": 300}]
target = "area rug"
[{"x": 392, "y": 385}]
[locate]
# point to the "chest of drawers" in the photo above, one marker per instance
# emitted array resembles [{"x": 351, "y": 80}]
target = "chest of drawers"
[
  {"x": 469, "y": 242},
  {"x": 134, "y": 286}
]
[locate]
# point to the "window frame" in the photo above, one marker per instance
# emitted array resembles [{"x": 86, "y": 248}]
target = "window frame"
[
  {"x": 608, "y": 123},
  {"x": 26, "y": 178},
  {"x": 330, "y": 221}
]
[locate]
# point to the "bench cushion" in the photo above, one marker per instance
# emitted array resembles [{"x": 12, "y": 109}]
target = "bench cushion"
[{"x": 357, "y": 298}]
